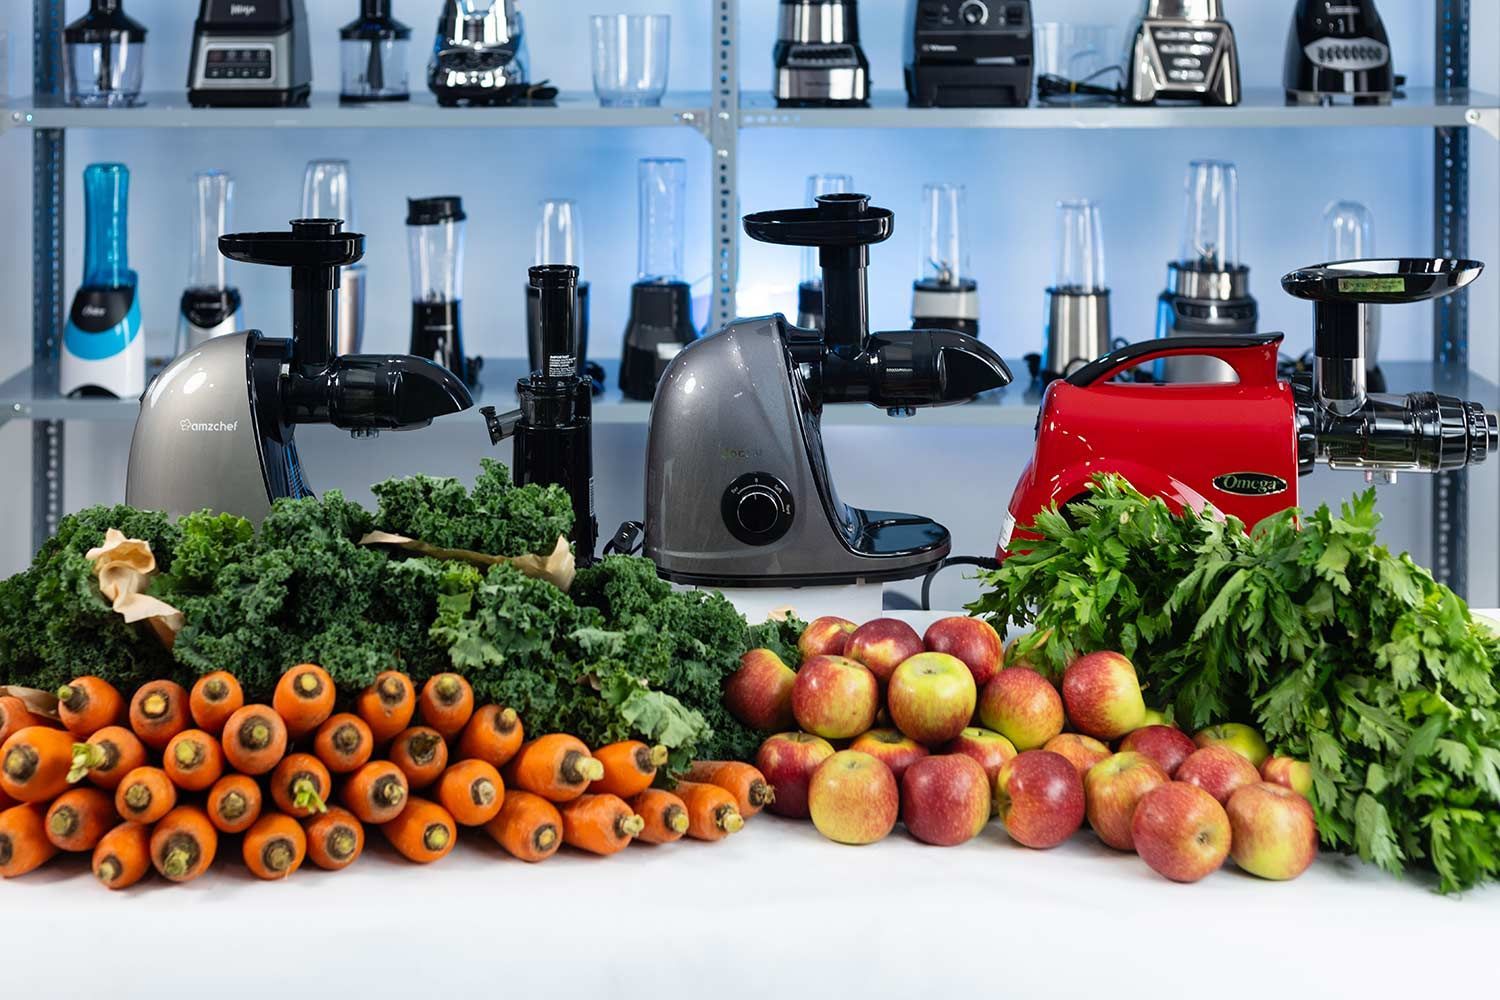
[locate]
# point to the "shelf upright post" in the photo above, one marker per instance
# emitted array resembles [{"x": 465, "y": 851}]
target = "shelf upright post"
[
  {"x": 48, "y": 161},
  {"x": 724, "y": 137},
  {"x": 1450, "y": 331}
]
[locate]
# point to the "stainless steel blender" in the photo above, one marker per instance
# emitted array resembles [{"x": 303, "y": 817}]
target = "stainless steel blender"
[
  {"x": 818, "y": 60},
  {"x": 944, "y": 296},
  {"x": 327, "y": 193},
  {"x": 105, "y": 55},
  {"x": 210, "y": 305},
  {"x": 435, "y": 239},
  {"x": 1078, "y": 326},
  {"x": 1183, "y": 50},
  {"x": 479, "y": 56},
  {"x": 810, "y": 291}
]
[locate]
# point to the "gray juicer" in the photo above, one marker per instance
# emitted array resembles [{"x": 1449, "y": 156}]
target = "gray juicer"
[
  {"x": 738, "y": 492},
  {"x": 216, "y": 426}
]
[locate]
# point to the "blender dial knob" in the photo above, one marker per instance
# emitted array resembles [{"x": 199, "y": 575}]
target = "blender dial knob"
[
  {"x": 974, "y": 12},
  {"x": 758, "y": 508}
]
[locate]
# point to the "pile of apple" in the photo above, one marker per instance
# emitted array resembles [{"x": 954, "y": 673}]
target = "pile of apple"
[{"x": 935, "y": 730}]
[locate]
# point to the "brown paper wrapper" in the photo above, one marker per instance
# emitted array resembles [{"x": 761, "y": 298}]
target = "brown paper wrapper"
[
  {"x": 125, "y": 567},
  {"x": 558, "y": 569},
  {"x": 43, "y": 703}
]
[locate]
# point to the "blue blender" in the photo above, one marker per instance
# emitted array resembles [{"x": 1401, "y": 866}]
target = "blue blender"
[{"x": 104, "y": 353}]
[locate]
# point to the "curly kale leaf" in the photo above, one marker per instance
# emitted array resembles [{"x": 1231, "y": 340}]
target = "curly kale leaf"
[{"x": 496, "y": 517}]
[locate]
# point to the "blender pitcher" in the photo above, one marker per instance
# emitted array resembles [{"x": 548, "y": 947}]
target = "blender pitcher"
[{"x": 105, "y": 56}]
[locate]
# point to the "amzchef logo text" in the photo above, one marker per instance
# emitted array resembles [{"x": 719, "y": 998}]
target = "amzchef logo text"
[{"x": 209, "y": 427}]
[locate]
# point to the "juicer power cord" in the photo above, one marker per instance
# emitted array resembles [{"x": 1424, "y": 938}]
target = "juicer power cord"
[{"x": 980, "y": 561}]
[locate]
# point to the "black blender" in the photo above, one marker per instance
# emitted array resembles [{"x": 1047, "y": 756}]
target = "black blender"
[
  {"x": 553, "y": 429},
  {"x": 559, "y": 240},
  {"x": 372, "y": 56},
  {"x": 661, "y": 303},
  {"x": 435, "y": 240}
]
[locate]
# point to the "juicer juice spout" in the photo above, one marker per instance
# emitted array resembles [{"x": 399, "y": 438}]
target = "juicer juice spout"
[
  {"x": 375, "y": 392},
  {"x": 910, "y": 369}
]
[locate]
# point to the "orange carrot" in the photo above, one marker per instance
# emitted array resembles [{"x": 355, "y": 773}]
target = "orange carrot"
[
  {"x": 335, "y": 840},
  {"x": 301, "y": 786},
  {"x": 214, "y": 698},
  {"x": 665, "y": 815},
  {"x": 599, "y": 824},
  {"x": 254, "y": 739},
  {"x": 107, "y": 757},
  {"x": 6, "y": 801},
  {"x": 743, "y": 781},
  {"x": 183, "y": 844},
  {"x": 712, "y": 812},
  {"x": 193, "y": 760},
  {"x": 146, "y": 795},
  {"x": 304, "y": 698},
  {"x": 24, "y": 846},
  {"x": 472, "y": 792},
  {"x": 493, "y": 735},
  {"x": 629, "y": 767},
  {"x": 527, "y": 826},
  {"x": 387, "y": 705},
  {"x": 78, "y": 818},
  {"x": 234, "y": 803},
  {"x": 424, "y": 832},
  {"x": 34, "y": 763},
  {"x": 421, "y": 754},
  {"x": 344, "y": 743},
  {"x": 15, "y": 716},
  {"x": 123, "y": 857},
  {"x": 377, "y": 792},
  {"x": 88, "y": 704},
  {"x": 275, "y": 847},
  {"x": 447, "y": 703},
  {"x": 158, "y": 712},
  {"x": 557, "y": 767}
]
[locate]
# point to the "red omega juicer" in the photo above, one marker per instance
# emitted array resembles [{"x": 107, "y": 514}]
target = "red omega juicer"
[{"x": 1241, "y": 446}]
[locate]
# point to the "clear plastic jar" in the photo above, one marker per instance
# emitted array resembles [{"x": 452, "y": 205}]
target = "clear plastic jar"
[
  {"x": 105, "y": 57},
  {"x": 373, "y": 56}
]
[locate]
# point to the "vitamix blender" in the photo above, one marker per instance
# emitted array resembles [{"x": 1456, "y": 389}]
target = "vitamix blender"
[
  {"x": 661, "y": 303},
  {"x": 559, "y": 242},
  {"x": 810, "y": 291},
  {"x": 1208, "y": 289},
  {"x": 103, "y": 350},
  {"x": 372, "y": 55},
  {"x": 435, "y": 239},
  {"x": 944, "y": 297},
  {"x": 210, "y": 307},
  {"x": 105, "y": 52}
]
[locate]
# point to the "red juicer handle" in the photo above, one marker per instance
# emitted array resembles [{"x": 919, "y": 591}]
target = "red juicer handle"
[{"x": 1253, "y": 357}]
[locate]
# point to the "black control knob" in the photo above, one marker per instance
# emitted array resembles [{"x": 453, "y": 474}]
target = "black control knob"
[
  {"x": 758, "y": 508},
  {"x": 974, "y": 13}
]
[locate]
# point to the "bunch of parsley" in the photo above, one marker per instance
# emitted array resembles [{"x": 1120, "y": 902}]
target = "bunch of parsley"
[{"x": 1345, "y": 654}]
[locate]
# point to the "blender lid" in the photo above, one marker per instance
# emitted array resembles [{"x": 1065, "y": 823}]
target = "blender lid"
[
  {"x": 434, "y": 211},
  {"x": 375, "y": 23},
  {"x": 105, "y": 22}
]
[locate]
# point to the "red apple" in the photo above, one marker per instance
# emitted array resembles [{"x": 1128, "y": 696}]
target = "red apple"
[
  {"x": 759, "y": 694},
  {"x": 891, "y": 748},
  {"x": 1082, "y": 751},
  {"x": 1289, "y": 773},
  {"x": 1021, "y": 705},
  {"x": 1217, "y": 770},
  {"x": 945, "y": 800},
  {"x": 1040, "y": 798},
  {"x": 827, "y": 636},
  {"x": 1240, "y": 738},
  {"x": 1166, "y": 745},
  {"x": 853, "y": 798},
  {"x": 834, "y": 697},
  {"x": 971, "y": 640},
  {"x": 1181, "y": 832},
  {"x": 788, "y": 760},
  {"x": 931, "y": 697},
  {"x": 1112, "y": 789},
  {"x": 990, "y": 749},
  {"x": 1103, "y": 696},
  {"x": 882, "y": 645},
  {"x": 1275, "y": 834}
]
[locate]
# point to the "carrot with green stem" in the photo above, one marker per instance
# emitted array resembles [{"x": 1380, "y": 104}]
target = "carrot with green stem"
[
  {"x": 344, "y": 743},
  {"x": 335, "y": 840},
  {"x": 24, "y": 846},
  {"x": 600, "y": 824},
  {"x": 146, "y": 795},
  {"x": 629, "y": 767},
  {"x": 377, "y": 792},
  {"x": 123, "y": 857},
  {"x": 88, "y": 704},
  {"x": 301, "y": 785},
  {"x": 34, "y": 763},
  {"x": 158, "y": 712},
  {"x": 234, "y": 803},
  {"x": 493, "y": 735},
  {"x": 183, "y": 844},
  {"x": 387, "y": 705},
  {"x": 423, "y": 833},
  {"x": 193, "y": 760},
  {"x": 15, "y": 716},
  {"x": 528, "y": 827},
  {"x": 446, "y": 703},
  {"x": 254, "y": 740},
  {"x": 214, "y": 698},
  {"x": 665, "y": 816},
  {"x": 274, "y": 847},
  {"x": 557, "y": 767},
  {"x": 751, "y": 791},
  {"x": 421, "y": 754},
  {"x": 472, "y": 792},
  {"x": 304, "y": 698},
  {"x": 712, "y": 812},
  {"x": 106, "y": 757},
  {"x": 78, "y": 818}
]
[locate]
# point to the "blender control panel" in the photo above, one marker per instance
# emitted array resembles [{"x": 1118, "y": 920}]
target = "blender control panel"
[
  {"x": 993, "y": 15},
  {"x": 1187, "y": 52},
  {"x": 239, "y": 62}
]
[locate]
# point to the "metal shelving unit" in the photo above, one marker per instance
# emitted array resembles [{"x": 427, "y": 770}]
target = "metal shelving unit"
[{"x": 719, "y": 114}]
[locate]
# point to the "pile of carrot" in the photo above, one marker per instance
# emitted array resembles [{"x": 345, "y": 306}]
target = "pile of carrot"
[{"x": 155, "y": 781}]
